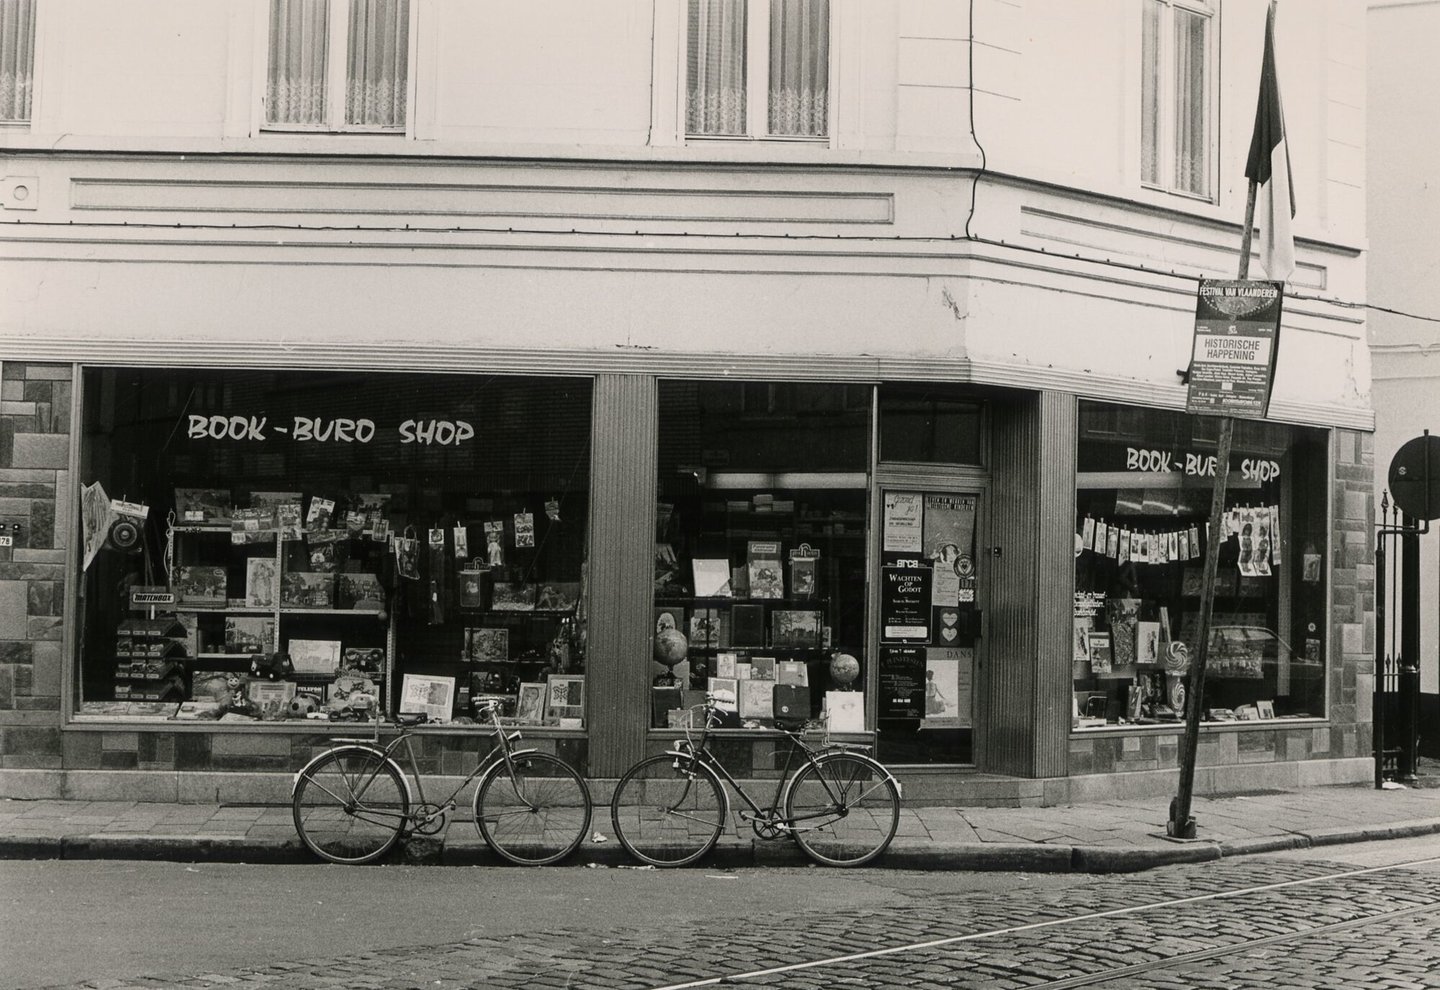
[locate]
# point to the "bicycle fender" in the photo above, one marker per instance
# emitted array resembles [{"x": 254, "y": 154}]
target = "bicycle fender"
[{"x": 363, "y": 746}]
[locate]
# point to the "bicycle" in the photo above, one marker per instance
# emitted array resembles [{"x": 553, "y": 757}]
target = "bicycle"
[
  {"x": 841, "y": 806},
  {"x": 353, "y": 803}
]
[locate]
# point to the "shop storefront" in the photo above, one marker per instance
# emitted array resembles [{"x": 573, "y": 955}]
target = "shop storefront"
[{"x": 600, "y": 553}]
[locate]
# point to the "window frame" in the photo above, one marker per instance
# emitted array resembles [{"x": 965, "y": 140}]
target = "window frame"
[
  {"x": 1167, "y": 112},
  {"x": 757, "y": 82},
  {"x": 337, "y": 20}
]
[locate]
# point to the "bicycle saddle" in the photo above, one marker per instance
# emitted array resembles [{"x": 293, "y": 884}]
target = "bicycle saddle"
[
  {"x": 410, "y": 721},
  {"x": 790, "y": 724}
]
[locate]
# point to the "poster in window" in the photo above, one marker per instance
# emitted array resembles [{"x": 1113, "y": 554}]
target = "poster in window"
[
  {"x": 949, "y": 535},
  {"x": 567, "y": 697},
  {"x": 712, "y": 577},
  {"x": 262, "y": 582},
  {"x": 942, "y": 690},
  {"x": 530, "y": 707},
  {"x": 902, "y": 524},
  {"x": 905, "y": 604},
  {"x": 902, "y": 683}
]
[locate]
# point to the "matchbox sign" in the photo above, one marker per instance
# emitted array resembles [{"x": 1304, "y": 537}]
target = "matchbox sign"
[{"x": 1232, "y": 367}]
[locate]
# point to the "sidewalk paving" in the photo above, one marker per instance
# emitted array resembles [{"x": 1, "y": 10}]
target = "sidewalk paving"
[{"x": 1114, "y": 836}]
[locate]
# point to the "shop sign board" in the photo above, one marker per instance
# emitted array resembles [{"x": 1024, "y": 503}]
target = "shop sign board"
[
  {"x": 902, "y": 682},
  {"x": 1232, "y": 367}
]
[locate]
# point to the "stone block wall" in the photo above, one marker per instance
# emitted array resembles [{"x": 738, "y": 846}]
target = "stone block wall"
[{"x": 34, "y": 493}]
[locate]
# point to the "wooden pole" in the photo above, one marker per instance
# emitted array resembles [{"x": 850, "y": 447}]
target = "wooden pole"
[{"x": 1182, "y": 824}]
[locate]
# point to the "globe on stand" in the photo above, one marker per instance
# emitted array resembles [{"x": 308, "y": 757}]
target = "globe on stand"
[
  {"x": 671, "y": 647},
  {"x": 844, "y": 668}
]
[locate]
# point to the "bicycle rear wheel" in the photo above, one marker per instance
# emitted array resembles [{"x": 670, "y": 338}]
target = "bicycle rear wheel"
[
  {"x": 539, "y": 815},
  {"x": 350, "y": 806},
  {"x": 668, "y": 810},
  {"x": 844, "y": 809}
]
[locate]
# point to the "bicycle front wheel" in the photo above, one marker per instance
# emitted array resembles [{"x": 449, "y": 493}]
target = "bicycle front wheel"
[
  {"x": 844, "y": 809},
  {"x": 668, "y": 810},
  {"x": 350, "y": 806},
  {"x": 536, "y": 816}
]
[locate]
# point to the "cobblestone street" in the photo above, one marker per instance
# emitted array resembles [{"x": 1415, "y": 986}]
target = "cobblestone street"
[{"x": 1265, "y": 922}]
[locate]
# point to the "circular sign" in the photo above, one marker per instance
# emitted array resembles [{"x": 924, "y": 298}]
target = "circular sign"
[
  {"x": 965, "y": 566},
  {"x": 1415, "y": 477}
]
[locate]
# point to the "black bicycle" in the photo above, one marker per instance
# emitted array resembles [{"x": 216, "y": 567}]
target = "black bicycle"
[{"x": 839, "y": 804}]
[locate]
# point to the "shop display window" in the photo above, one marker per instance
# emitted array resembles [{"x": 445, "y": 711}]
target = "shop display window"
[
  {"x": 278, "y": 545},
  {"x": 759, "y": 595},
  {"x": 1143, "y": 500}
]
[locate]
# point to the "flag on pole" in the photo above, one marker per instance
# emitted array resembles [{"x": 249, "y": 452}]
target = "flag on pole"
[{"x": 1269, "y": 168}]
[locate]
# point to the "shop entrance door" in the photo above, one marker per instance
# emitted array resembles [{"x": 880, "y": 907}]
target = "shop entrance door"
[{"x": 927, "y": 632}]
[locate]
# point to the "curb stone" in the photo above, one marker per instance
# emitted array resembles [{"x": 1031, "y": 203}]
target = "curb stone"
[{"x": 732, "y": 853}]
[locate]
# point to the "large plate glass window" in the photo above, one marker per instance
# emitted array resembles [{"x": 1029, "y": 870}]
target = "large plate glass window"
[
  {"x": 261, "y": 545},
  {"x": 760, "y": 551},
  {"x": 758, "y": 68},
  {"x": 1143, "y": 505}
]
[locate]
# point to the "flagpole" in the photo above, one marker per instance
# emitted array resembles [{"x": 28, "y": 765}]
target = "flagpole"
[{"x": 1182, "y": 824}]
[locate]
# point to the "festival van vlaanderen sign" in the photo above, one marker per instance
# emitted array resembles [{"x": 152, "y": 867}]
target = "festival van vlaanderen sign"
[{"x": 1237, "y": 326}]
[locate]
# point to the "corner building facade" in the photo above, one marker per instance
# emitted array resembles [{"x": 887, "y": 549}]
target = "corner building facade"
[{"x": 830, "y": 345}]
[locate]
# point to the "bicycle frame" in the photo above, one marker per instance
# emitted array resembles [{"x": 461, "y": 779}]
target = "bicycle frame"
[
  {"x": 503, "y": 750},
  {"x": 770, "y": 815}
]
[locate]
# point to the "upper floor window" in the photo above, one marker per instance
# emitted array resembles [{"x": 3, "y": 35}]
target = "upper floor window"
[
  {"x": 320, "y": 49},
  {"x": 17, "y": 59},
  {"x": 758, "y": 68},
  {"x": 1176, "y": 96}
]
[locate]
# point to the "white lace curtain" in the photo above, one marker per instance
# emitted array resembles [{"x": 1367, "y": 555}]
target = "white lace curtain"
[
  {"x": 715, "y": 97},
  {"x": 799, "y": 67},
  {"x": 17, "y": 58},
  {"x": 376, "y": 70},
  {"x": 377, "y": 50}
]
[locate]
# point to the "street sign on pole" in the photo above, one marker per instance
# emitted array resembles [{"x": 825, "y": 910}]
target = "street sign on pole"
[{"x": 1232, "y": 366}]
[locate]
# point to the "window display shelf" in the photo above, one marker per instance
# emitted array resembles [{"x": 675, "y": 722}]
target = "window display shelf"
[{"x": 373, "y": 613}]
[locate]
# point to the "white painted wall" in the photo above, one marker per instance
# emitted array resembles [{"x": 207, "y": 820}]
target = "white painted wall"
[{"x": 1404, "y": 257}]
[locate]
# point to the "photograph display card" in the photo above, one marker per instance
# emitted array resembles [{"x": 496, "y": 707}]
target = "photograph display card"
[
  {"x": 757, "y": 698},
  {"x": 558, "y": 596},
  {"x": 359, "y": 590},
  {"x": 530, "y": 703},
  {"x": 510, "y": 596},
  {"x": 712, "y": 577},
  {"x": 566, "y": 697},
  {"x": 200, "y": 585},
  {"x": 307, "y": 589},
  {"x": 489, "y": 645},
  {"x": 845, "y": 711},
  {"x": 796, "y": 629},
  {"x": 762, "y": 668},
  {"x": 705, "y": 628},
  {"x": 1098, "y": 644},
  {"x": 763, "y": 565},
  {"x": 321, "y": 511},
  {"x": 792, "y": 672},
  {"x": 249, "y": 633},
  {"x": 434, "y": 696},
  {"x": 724, "y": 692},
  {"x": 314, "y": 656},
  {"x": 195, "y": 506},
  {"x": 262, "y": 582}
]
